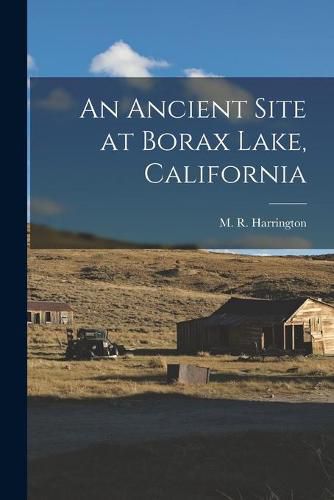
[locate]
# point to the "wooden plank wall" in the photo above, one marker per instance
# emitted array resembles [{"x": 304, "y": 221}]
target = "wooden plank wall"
[
  {"x": 57, "y": 317},
  {"x": 199, "y": 335},
  {"x": 318, "y": 321}
]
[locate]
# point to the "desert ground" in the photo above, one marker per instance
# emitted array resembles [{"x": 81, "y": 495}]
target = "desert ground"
[{"x": 120, "y": 416}]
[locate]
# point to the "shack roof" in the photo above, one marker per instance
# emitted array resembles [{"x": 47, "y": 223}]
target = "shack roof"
[
  {"x": 238, "y": 311},
  {"x": 41, "y": 305},
  {"x": 255, "y": 308}
]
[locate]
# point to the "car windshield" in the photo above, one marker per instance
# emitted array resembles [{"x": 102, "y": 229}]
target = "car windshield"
[{"x": 94, "y": 335}]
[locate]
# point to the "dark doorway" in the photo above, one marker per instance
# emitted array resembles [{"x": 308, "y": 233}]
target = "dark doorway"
[
  {"x": 37, "y": 318},
  {"x": 288, "y": 338},
  {"x": 268, "y": 337},
  {"x": 279, "y": 336},
  {"x": 225, "y": 339},
  {"x": 299, "y": 336}
]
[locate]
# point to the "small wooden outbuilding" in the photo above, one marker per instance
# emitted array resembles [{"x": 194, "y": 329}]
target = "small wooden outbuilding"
[
  {"x": 47, "y": 313},
  {"x": 304, "y": 325}
]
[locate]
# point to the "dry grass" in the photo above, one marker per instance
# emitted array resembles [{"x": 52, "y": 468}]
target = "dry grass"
[
  {"x": 135, "y": 293},
  {"x": 49, "y": 375}
]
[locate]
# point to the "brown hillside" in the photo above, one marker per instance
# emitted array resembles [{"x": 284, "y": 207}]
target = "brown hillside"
[{"x": 147, "y": 291}]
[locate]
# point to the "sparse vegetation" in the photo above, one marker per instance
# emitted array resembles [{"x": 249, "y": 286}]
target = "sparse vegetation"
[
  {"x": 139, "y": 372},
  {"x": 152, "y": 289},
  {"x": 140, "y": 294}
]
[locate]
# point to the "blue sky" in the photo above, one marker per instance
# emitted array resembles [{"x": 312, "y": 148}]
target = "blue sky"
[
  {"x": 230, "y": 38},
  {"x": 265, "y": 253},
  {"x": 183, "y": 37}
]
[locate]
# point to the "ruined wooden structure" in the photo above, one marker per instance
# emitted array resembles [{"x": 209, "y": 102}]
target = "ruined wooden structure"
[
  {"x": 48, "y": 313},
  {"x": 301, "y": 325}
]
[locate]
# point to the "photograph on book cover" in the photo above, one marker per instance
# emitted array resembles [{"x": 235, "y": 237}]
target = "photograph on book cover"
[{"x": 180, "y": 301}]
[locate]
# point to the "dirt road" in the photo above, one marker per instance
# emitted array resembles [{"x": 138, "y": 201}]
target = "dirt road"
[{"x": 59, "y": 426}]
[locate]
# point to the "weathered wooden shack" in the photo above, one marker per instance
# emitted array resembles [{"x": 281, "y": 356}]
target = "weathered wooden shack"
[
  {"x": 304, "y": 325},
  {"x": 47, "y": 313}
]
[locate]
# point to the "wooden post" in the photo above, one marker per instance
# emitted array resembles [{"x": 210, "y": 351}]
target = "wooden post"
[
  {"x": 284, "y": 337},
  {"x": 293, "y": 337}
]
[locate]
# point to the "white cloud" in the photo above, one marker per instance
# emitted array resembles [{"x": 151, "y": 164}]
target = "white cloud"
[
  {"x": 57, "y": 100},
  {"x": 31, "y": 66},
  {"x": 270, "y": 242},
  {"x": 121, "y": 60},
  {"x": 198, "y": 73},
  {"x": 257, "y": 253},
  {"x": 209, "y": 86},
  {"x": 44, "y": 206},
  {"x": 31, "y": 63}
]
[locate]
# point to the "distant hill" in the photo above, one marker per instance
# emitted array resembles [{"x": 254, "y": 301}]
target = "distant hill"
[
  {"x": 47, "y": 237},
  {"x": 325, "y": 256}
]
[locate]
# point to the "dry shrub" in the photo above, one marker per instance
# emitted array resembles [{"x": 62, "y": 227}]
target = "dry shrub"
[
  {"x": 203, "y": 354},
  {"x": 300, "y": 358},
  {"x": 97, "y": 273},
  {"x": 317, "y": 373},
  {"x": 128, "y": 356},
  {"x": 158, "y": 362}
]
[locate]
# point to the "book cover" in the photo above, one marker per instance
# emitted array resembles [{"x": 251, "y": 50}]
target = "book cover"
[{"x": 180, "y": 302}]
